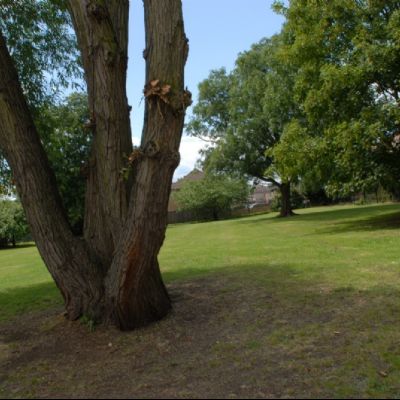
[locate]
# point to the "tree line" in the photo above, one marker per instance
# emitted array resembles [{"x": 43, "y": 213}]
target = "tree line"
[{"x": 316, "y": 106}]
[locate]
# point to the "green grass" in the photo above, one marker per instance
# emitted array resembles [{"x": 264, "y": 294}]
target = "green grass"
[
  {"x": 339, "y": 246},
  {"x": 351, "y": 247},
  {"x": 333, "y": 275},
  {"x": 25, "y": 284}
]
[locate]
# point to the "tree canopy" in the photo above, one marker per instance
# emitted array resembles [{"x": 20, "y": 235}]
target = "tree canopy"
[
  {"x": 67, "y": 144},
  {"x": 347, "y": 57},
  {"x": 13, "y": 225},
  {"x": 43, "y": 45},
  {"x": 244, "y": 113}
]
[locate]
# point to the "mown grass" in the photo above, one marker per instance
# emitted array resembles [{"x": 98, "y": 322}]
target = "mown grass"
[
  {"x": 25, "y": 284},
  {"x": 344, "y": 246},
  {"x": 314, "y": 300},
  {"x": 336, "y": 246},
  {"x": 333, "y": 275}
]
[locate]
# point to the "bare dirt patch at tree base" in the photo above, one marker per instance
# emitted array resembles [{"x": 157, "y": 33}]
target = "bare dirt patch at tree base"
[{"x": 226, "y": 338}]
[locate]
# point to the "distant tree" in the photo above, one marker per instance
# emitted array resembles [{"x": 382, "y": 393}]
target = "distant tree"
[
  {"x": 211, "y": 117},
  {"x": 213, "y": 196},
  {"x": 13, "y": 224},
  {"x": 244, "y": 114},
  {"x": 5, "y": 177},
  {"x": 347, "y": 54}
]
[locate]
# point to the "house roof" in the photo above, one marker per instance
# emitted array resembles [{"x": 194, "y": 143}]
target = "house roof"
[{"x": 195, "y": 175}]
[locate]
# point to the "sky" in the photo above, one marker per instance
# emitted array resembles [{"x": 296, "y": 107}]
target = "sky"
[{"x": 218, "y": 30}]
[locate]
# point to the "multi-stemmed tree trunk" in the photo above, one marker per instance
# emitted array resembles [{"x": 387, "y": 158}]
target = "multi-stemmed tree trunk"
[{"x": 112, "y": 274}]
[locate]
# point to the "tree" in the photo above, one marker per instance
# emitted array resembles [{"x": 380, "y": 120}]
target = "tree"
[
  {"x": 67, "y": 144},
  {"x": 43, "y": 47},
  {"x": 244, "y": 113},
  {"x": 39, "y": 38},
  {"x": 13, "y": 225},
  {"x": 112, "y": 275},
  {"x": 347, "y": 55},
  {"x": 212, "y": 196},
  {"x": 5, "y": 177}
]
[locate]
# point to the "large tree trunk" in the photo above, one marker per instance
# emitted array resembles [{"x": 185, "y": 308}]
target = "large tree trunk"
[
  {"x": 65, "y": 256},
  {"x": 113, "y": 274},
  {"x": 102, "y": 31},
  {"x": 135, "y": 290},
  {"x": 286, "y": 206}
]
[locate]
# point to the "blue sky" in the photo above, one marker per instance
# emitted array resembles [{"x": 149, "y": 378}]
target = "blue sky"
[{"x": 218, "y": 30}]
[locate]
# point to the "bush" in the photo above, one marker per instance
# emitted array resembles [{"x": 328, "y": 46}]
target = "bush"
[
  {"x": 212, "y": 197},
  {"x": 13, "y": 224}
]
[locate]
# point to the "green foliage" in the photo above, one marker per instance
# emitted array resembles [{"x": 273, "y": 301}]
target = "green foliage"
[
  {"x": 13, "y": 224},
  {"x": 6, "y": 186},
  {"x": 290, "y": 153},
  {"x": 42, "y": 44},
  {"x": 348, "y": 61},
  {"x": 244, "y": 112},
  {"x": 67, "y": 145},
  {"x": 88, "y": 322},
  {"x": 294, "y": 158},
  {"x": 212, "y": 196},
  {"x": 211, "y": 112}
]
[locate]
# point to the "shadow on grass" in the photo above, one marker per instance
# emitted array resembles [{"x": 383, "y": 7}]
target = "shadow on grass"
[
  {"x": 374, "y": 223},
  {"x": 260, "y": 321},
  {"x": 321, "y": 215},
  {"x": 21, "y": 300},
  {"x": 255, "y": 270},
  {"x": 296, "y": 293},
  {"x": 274, "y": 290},
  {"x": 15, "y": 302}
]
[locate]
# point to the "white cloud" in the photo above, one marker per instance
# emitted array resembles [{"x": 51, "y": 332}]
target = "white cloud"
[
  {"x": 136, "y": 141},
  {"x": 190, "y": 147}
]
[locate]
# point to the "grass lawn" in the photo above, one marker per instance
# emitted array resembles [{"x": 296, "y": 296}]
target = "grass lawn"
[
  {"x": 264, "y": 307},
  {"x": 25, "y": 284}
]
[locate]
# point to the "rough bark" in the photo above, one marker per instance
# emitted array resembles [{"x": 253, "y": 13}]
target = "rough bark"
[
  {"x": 102, "y": 31},
  {"x": 112, "y": 275},
  {"x": 286, "y": 207},
  {"x": 65, "y": 256},
  {"x": 134, "y": 287}
]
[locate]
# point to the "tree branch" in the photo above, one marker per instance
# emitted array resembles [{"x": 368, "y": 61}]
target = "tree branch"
[
  {"x": 102, "y": 31},
  {"x": 269, "y": 180},
  {"x": 65, "y": 256}
]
